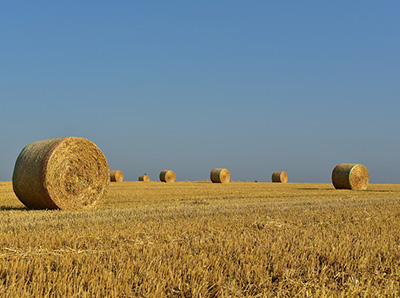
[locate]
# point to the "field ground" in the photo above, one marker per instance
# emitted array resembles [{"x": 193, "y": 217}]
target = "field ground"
[{"x": 198, "y": 239}]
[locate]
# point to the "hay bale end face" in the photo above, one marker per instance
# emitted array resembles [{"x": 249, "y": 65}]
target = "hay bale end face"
[
  {"x": 116, "y": 176},
  {"x": 350, "y": 176},
  {"x": 279, "y": 177},
  {"x": 144, "y": 178},
  {"x": 167, "y": 176},
  {"x": 66, "y": 173},
  {"x": 220, "y": 175}
]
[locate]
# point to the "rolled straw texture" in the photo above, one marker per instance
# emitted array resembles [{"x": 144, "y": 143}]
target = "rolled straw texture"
[
  {"x": 350, "y": 176},
  {"x": 279, "y": 177},
  {"x": 116, "y": 176},
  {"x": 65, "y": 173},
  {"x": 220, "y": 175},
  {"x": 167, "y": 176},
  {"x": 144, "y": 178}
]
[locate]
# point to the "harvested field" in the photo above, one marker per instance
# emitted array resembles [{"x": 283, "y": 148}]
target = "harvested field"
[{"x": 199, "y": 239}]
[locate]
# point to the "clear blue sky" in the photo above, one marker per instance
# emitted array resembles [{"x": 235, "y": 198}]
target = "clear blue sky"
[{"x": 253, "y": 86}]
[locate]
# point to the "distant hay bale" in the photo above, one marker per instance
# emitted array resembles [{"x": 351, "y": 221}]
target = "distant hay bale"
[
  {"x": 279, "y": 177},
  {"x": 220, "y": 175},
  {"x": 350, "y": 176},
  {"x": 144, "y": 178},
  {"x": 65, "y": 173},
  {"x": 167, "y": 176},
  {"x": 116, "y": 176}
]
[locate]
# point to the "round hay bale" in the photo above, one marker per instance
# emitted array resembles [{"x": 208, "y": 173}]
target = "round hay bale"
[
  {"x": 144, "y": 178},
  {"x": 220, "y": 175},
  {"x": 65, "y": 173},
  {"x": 279, "y": 177},
  {"x": 167, "y": 176},
  {"x": 350, "y": 176},
  {"x": 116, "y": 176}
]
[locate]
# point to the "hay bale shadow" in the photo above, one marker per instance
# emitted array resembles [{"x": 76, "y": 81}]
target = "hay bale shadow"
[{"x": 11, "y": 208}]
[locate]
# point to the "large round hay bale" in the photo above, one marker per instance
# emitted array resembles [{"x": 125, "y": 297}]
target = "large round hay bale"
[
  {"x": 350, "y": 176},
  {"x": 167, "y": 176},
  {"x": 144, "y": 178},
  {"x": 220, "y": 175},
  {"x": 66, "y": 173},
  {"x": 279, "y": 177},
  {"x": 116, "y": 176}
]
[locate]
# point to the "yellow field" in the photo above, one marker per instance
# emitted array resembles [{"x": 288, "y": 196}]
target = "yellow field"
[{"x": 198, "y": 239}]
